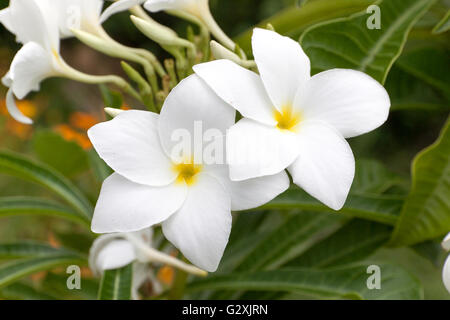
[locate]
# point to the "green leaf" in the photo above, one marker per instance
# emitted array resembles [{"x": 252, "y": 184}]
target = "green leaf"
[
  {"x": 355, "y": 241},
  {"x": 348, "y": 43},
  {"x": 294, "y": 20},
  {"x": 111, "y": 99},
  {"x": 26, "y": 249},
  {"x": 407, "y": 92},
  {"x": 19, "y": 166},
  {"x": 426, "y": 212},
  {"x": 371, "y": 176},
  {"x": 116, "y": 284},
  {"x": 22, "y": 291},
  {"x": 379, "y": 208},
  {"x": 443, "y": 25},
  {"x": 11, "y": 206},
  {"x": 428, "y": 64},
  {"x": 65, "y": 156},
  {"x": 295, "y": 235},
  {"x": 15, "y": 270},
  {"x": 348, "y": 282}
]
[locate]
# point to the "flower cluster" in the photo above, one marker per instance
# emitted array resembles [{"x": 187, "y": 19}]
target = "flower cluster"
[{"x": 290, "y": 121}]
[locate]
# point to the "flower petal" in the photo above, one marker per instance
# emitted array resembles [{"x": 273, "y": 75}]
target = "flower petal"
[
  {"x": 446, "y": 274},
  {"x": 116, "y": 254},
  {"x": 256, "y": 150},
  {"x": 251, "y": 193},
  {"x": 119, "y": 6},
  {"x": 200, "y": 229},
  {"x": 282, "y": 64},
  {"x": 34, "y": 21},
  {"x": 192, "y": 108},
  {"x": 5, "y": 19},
  {"x": 446, "y": 243},
  {"x": 31, "y": 65},
  {"x": 14, "y": 110},
  {"x": 130, "y": 145},
  {"x": 326, "y": 166},
  {"x": 348, "y": 100},
  {"x": 239, "y": 87},
  {"x": 159, "y": 5},
  {"x": 125, "y": 206}
]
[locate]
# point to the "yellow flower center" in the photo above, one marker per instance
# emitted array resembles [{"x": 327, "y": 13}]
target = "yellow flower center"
[
  {"x": 287, "y": 119},
  {"x": 187, "y": 172}
]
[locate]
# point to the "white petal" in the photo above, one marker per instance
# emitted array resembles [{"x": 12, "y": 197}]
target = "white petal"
[
  {"x": 35, "y": 21},
  {"x": 193, "y": 108},
  {"x": 282, "y": 64},
  {"x": 446, "y": 274},
  {"x": 5, "y": 19},
  {"x": 14, "y": 110},
  {"x": 256, "y": 150},
  {"x": 125, "y": 206},
  {"x": 251, "y": 193},
  {"x": 130, "y": 145},
  {"x": 116, "y": 254},
  {"x": 31, "y": 65},
  {"x": 348, "y": 100},
  {"x": 326, "y": 166},
  {"x": 159, "y": 5},
  {"x": 119, "y": 6},
  {"x": 6, "y": 80},
  {"x": 446, "y": 243},
  {"x": 200, "y": 229},
  {"x": 239, "y": 87}
]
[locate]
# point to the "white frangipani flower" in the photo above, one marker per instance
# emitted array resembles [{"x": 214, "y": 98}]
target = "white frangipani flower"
[
  {"x": 37, "y": 25},
  {"x": 446, "y": 269},
  {"x": 305, "y": 118},
  {"x": 39, "y": 58},
  {"x": 152, "y": 184},
  {"x": 115, "y": 251},
  {"x": 197, "y": 8}
]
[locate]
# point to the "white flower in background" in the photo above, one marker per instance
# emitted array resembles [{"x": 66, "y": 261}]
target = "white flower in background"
[
  {"x": 305, "y": 118},
  {"x": 192, "y": 200},
  {"x": 197, "y": 8},
  {"x": 39, "y": 58},
  {"x": 37, "y": 25},
  {"x": 115, "y": 251},
  {"x": 85, "y": 15},
  {"x": 446, "y": 269}
]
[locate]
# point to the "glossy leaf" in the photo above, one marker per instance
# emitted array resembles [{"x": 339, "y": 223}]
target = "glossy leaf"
[
  {"x": 348, "y": 43},
  {"x": 355, "y": 241},
  {"x": 294, "y": 20},
  {"x": 443, "y": 25},
  {"x": 17, "y": 269},
  {"x": 295, "y": 235},
  {"x": 349, "y": 282},
  {"x": 11, "y": 206},
  {"x": 426, "y": 212},
  {"x": 19, "y": 166},
  {"x": 379, "y": 208},
  {"x": 116, "y": 284}
]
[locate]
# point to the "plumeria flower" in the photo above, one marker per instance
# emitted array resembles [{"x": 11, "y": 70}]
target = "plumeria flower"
[
  {"x": 153, "y": 183},
  {"x": 38, "y": 59},
  {"x": 36, "y": 25},
  {"x": 115, "y": 251},
  {"x": 85, "y": 15},
  {"x": 197, "y": 8},
  {"x": 295, "y": 121},
  {"x": 446, "y": 270}
]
